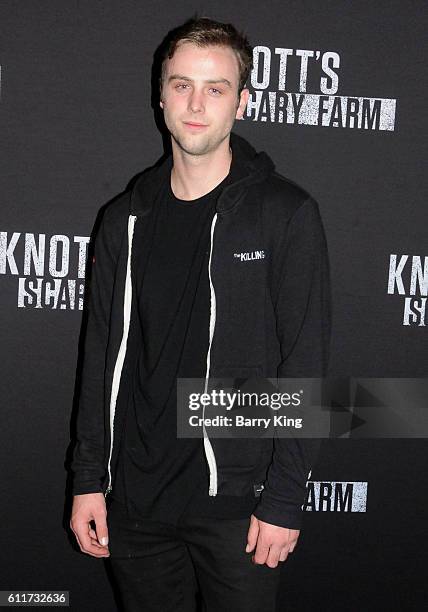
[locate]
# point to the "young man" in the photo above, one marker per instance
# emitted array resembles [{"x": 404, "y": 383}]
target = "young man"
[{"x": 171, "y": 298}]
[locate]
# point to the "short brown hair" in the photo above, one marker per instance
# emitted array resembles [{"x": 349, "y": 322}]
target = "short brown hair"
[{"x": 203, "y": 32}]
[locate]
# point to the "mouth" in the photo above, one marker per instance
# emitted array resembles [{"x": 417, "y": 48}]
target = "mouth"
[{"x": 195, "y": 126}]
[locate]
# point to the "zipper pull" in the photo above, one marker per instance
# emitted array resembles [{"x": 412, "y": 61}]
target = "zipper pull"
[
  {"x": 108, "y": 490},
  {"x": 212, "y": 490}
]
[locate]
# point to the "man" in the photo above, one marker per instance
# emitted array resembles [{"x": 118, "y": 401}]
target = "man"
[{"x": 177, "y": 292}]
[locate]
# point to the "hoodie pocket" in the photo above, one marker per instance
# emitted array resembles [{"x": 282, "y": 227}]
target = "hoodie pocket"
[
  {"x": 241, "y": 463},
  {"x": 241, "y": 460}
]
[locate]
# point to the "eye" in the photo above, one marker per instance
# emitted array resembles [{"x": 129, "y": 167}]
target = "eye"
[
  {"x": 181, "y": 85},
  {"x": 216, "y": 90}
]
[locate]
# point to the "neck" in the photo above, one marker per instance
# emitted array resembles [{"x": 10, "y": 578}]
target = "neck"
[{"x": 193, "y": 176}]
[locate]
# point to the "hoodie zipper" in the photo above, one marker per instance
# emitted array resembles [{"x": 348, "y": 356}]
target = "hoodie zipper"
[
  {"x": 209, "y": 452},
  {"x": 127, "y": 300}
]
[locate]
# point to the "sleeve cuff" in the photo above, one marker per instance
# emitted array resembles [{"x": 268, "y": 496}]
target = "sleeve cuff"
[{"x": 288, "y": 519}]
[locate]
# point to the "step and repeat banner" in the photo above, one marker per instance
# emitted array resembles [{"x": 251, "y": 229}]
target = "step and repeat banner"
[{"x": 337, "y": 99}]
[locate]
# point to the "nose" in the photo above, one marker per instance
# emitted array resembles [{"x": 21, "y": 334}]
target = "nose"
[{"x": 196, "y": 102}]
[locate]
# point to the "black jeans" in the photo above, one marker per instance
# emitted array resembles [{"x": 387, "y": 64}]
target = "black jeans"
[{"x": 159, "y": 567}]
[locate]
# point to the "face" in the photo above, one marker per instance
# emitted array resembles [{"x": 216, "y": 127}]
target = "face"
[{"x": 200, "y": 96}]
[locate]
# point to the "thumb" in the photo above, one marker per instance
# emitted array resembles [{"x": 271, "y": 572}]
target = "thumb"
[
  {"x": 253, "y": 532},
  {"x": 101, "y": 529}
]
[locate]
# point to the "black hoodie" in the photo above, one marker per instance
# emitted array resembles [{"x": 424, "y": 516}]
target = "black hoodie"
[{"x": 270, "y": 316}]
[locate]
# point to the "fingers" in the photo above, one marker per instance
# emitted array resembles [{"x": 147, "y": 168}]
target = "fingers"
[
  {"x": 88, "y": 544},
  {"x": 92, "y": 533},
  {"x": 270, "y": 553},
  {"x": 274, "y": 555},
  {"x": 87, "y": 508},
  {"x": 93, "y": 536},
  {"x": 271, "y": 556},
  {"x": 253, "y": 532},
  {"x": 262, "y": 551},
  {"x": 100, "y": 518}
]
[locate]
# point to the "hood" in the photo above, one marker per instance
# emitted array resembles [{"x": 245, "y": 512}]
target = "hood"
[{"x": 249, "y": 167}]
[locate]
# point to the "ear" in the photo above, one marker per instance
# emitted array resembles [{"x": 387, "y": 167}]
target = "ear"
[{"x": 243, "y": 99}]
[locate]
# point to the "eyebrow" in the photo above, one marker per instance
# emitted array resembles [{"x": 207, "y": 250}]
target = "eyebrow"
[{"x": 184, "y": 78}]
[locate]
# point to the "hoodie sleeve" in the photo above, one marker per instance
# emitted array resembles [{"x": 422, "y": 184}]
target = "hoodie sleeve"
[
  {"x": 302, "y": 300},
  {"x": 88, "y": 459}
]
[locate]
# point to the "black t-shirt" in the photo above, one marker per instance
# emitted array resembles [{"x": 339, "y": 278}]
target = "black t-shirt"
[{"x": 159, "y": 475}]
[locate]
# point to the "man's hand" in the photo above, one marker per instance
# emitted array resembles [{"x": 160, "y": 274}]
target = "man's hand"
[
  {"x": 87, "y": 508},
  {"x": 273, "y": 542}
]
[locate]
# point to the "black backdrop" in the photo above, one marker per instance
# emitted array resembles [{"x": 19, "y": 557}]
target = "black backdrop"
[{"x": 77, "y": 125}]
